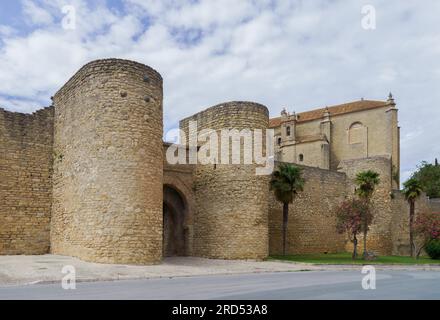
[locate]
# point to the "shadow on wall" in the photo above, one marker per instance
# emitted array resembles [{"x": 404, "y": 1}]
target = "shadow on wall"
[{"x": 175, "y": 232}]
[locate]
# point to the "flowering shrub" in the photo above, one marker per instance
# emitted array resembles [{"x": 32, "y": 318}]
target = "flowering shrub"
[
  {"x": 350, "y": 215},
  {"x": 427, "y": 227}
]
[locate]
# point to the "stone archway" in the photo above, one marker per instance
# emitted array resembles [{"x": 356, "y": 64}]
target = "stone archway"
[{"x": 175, "y": 211}]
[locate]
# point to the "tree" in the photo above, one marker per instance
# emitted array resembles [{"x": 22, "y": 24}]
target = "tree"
[
  {"x": 426, "y": 228},
  {"x": 350, "y": 215},
  {"x": 366, "y": 182},
  {"x": 412, "y": 189},
  {"x": 429, "y": 177},
  {"x": 286, "y": 182}
]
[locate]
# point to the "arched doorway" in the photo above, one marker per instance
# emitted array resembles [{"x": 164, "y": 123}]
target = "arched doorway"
[{"x": 174, "y": 217}]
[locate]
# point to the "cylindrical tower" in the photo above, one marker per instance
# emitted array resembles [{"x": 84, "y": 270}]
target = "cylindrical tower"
[
  {"x": 231, "y": 218},
  {"x": 108, "y": 164}
]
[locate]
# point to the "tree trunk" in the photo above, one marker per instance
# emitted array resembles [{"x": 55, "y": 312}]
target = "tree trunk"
[
  {"x": 364, "y": 255},
  {"x": 365, "y": 231},
  {"x": 355, "y": 243},
  {"x": 419, "y": 251},
  {"x": 411, "y": 226},
  {"x": 285, "y": 219}
]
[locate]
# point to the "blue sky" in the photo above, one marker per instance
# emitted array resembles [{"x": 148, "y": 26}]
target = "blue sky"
[{"x": 294, "y": 54}]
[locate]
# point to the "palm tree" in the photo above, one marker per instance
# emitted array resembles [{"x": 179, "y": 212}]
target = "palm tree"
[
  {"x": 412, "y": 189},
  {"x": 286, "y": 182},
  {"x": 367, "y": 182}
]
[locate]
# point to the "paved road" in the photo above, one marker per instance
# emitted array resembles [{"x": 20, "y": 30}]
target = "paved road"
[{"x": 290, "y": 285}]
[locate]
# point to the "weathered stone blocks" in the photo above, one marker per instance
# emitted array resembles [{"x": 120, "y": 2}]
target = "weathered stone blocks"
[
  {"x": 86, "y": 177},
  {"x": 108, "y": 164},
  {"x": 312, "y": 217},
  {"x": 26, "y": 142},
  {"x": 231, "y": 216}
]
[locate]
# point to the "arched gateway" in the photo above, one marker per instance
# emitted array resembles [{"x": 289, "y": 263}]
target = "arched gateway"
[
  {"x": 178, "y": 208},
  {"x": 175, "y": 231}
]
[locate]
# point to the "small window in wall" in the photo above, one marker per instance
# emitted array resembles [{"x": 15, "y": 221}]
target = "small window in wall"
[
  {"x": 279, "y": 141},
  {"x": 301, "y": 157},
  {"x": 288, "y": 131}
]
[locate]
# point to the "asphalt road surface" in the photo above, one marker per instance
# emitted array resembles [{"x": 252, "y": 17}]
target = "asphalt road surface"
[{"x": 285, "y": 285}]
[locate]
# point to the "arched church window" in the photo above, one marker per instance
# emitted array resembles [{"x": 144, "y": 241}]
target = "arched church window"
[
  {"x": 356, "y": 133},
  {"x": 279, "y": 141},
  {"x": 288, "y": 131}
]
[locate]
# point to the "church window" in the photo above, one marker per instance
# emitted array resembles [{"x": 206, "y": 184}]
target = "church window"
[
  {"x": 288, "y": 131},
  {"x": 301, "y": 157},
  {"x": 356, "y": 133}
]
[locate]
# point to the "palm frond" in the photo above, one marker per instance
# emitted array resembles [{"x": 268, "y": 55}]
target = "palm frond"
[
  {"x": 412, "y": 189},
  {"x": 286, "y": 182},
  {"x": 367, "y": 182}
]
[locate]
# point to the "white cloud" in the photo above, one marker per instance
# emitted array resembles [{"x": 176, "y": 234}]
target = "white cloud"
[
  {"x": 299, "y": 54},
  {"x": 35, "y": 14},
  {"x": 6, "y": 31}
]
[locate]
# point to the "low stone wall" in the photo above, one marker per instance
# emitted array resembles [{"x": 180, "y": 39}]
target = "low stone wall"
[
  {"x": 435, "y": 204},
  {"x": 400, "y": 221},
  {"x": 26, "y": 142},
  {"x": 312, "y": 222}
]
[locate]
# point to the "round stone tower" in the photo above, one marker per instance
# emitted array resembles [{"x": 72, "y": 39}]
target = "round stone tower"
[
  {"x": 108, "y": 164},
  {"x": 231, "y": 218}
]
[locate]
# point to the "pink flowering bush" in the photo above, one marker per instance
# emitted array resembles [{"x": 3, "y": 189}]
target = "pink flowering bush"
[
  {"x": 350, "y": 217},
  {"x": 427, "y": 228}
]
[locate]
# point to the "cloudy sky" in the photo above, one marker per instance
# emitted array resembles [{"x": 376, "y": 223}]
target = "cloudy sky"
[{"x": 298, "y": 54}]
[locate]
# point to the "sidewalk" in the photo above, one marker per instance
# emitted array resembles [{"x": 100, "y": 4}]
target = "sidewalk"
[{"x": 20, "y": 270}]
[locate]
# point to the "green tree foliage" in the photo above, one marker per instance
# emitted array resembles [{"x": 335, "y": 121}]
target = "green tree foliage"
[
  {"x": 412, "y": 189},
  {"x": 433, "y": 249},
  {"x": 366, "y": 183},
  {"x": 429, "y": 176}
]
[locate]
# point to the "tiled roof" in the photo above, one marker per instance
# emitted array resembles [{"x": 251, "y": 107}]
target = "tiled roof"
[{"x": 334, "y": 110}]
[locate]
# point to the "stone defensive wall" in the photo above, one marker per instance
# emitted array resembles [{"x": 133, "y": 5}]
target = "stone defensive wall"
[
  {"x": 88, "y": 177},
  {"x": 400, "y": 221},
  {"x": 389, "y": 232},
  {"x": 26, "y": 142},
  {"x": 108, "y": 167},
  {"x": 180, "y": 178},
  {"x": 312, "y": 218},
  {"x": 379, "y": 237},
  {"x": 230, "y": 218}
]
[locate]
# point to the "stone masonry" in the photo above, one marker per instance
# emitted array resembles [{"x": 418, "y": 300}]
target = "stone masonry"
[
  {"x": 230, "y": 220},
  {"x": 107, "y": 182},
  {"x": 312, "y": 221},
  {"x": 26, "y": 154},
  {"x": 87, "y": 177}
]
